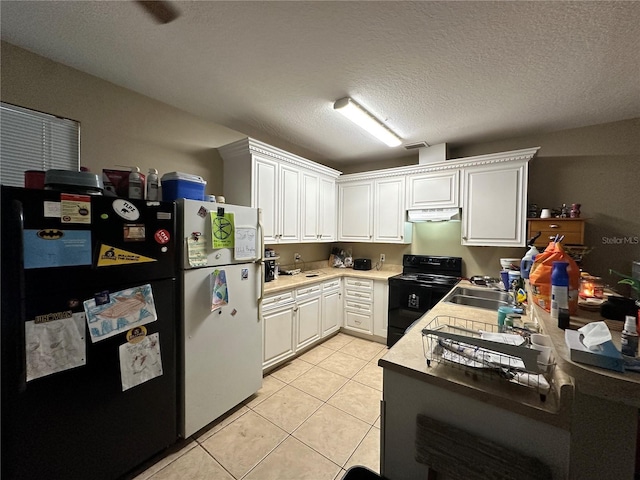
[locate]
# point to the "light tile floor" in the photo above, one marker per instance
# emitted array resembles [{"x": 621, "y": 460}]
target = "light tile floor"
[{"x": 314, "y": 417}]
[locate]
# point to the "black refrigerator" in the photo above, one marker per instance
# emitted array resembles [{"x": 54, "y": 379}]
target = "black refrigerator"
[{"x": 88, "y": 334}]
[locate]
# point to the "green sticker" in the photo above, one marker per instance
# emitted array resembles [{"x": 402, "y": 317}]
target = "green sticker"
[{"x": 104, "y": 216}]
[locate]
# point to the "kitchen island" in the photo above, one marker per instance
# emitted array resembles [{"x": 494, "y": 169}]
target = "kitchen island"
[{"x": 581, "y": 429}]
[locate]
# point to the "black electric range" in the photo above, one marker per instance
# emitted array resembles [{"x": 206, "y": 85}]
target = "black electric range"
[{"x": 424, "y": 281}]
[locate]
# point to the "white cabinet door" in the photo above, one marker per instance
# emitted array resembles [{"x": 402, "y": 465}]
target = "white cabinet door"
[
  {"x": 355, "y": 208},
  {"x": 389, "y": 210},
  {"x": 265, "y": 195},
  {"x": 279, "y": 335},
  {"x": 380, "y": 307},
  {"x": 309, "y": 219},
  {"x": 433, "y": 190},
  {"x": 327, "y": 210},
  {"x": 289, "y": 205},
  {"x": 331, "y": 311},
  {"x": 309, "y": 321},
  {"x": 494, "y": 201}
]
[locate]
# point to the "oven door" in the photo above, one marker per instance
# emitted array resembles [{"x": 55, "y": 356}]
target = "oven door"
[{"x": 408, "y": 301}]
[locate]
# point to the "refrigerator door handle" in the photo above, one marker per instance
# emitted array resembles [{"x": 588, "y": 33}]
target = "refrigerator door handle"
[{"x": 261, "y": 260}]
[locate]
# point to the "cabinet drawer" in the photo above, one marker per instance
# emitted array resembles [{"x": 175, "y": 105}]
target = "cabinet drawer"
[
  {"x": 276, "y": 300},
  {"x": 360, "y": 295},
  {"x": 359, "y": 283},
  {"x": 573, "y": 230},
  {"x": 331, "y": 284},
  {"x": 355, "y": 306},
  {"x": 358, "y": 321},
  {"x": 308, "y": 291}
]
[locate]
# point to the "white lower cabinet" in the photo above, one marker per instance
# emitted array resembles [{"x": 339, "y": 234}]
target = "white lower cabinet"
[
  {"x": 331, "y": 306},
  {"x": 278, "y": 334},
  {"x": 308, "y": 315},
  {"x": 294, "y": 320},
  {"x": 358, "y": 305}
]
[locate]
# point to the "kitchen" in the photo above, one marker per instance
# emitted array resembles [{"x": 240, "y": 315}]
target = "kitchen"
[{"x": 592, "y": 165}]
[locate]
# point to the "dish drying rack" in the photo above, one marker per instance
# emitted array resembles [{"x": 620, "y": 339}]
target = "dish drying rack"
[{"x": 481, "y": 349}]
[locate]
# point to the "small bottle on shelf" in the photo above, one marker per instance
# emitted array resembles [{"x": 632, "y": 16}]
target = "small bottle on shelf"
[{"x": 629, "y": 337}]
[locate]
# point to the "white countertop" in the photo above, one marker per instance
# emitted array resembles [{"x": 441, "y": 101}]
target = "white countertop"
[{"x": 287, "y": 282}]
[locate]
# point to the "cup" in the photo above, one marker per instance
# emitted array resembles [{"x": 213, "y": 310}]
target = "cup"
[
  {"x": 504, "y": 274},
  {"x": 220, "y": 199},
  {"x": 545, "y": 213},
  {"x": 502, "y": 315},
  {"x": 542, "y": 343}
]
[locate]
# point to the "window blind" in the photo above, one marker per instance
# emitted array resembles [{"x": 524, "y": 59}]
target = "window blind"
[{"x": 31, "y": 140}]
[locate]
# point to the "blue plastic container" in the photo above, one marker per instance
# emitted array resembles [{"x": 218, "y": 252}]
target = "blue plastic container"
[{"x": 177, "y": 185}]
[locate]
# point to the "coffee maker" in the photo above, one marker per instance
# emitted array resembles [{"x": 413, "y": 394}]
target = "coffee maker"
[{"x": 269, "y": 270}]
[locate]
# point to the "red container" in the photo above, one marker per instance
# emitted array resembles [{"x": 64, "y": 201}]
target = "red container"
[{"x": 34, "y": 179}]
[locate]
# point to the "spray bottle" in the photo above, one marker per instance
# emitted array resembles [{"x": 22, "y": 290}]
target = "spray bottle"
[
  {"x": 136, "y": 184},
  {"x": 527, "y": 260},
  {"x": 152, "y": 185}
]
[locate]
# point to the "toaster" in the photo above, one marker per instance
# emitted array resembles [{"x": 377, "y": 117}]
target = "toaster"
[{"x": 362, "y": 264}]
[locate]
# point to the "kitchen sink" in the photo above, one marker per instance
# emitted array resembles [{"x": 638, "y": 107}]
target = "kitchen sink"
[
  {"x": 487, "y": 299},
  {"x": 488, "y": 294}
]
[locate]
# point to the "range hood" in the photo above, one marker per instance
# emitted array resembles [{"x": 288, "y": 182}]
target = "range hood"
[{"x": 434, "y": 215}]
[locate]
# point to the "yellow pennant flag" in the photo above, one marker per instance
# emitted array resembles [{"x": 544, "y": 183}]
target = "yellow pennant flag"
[{"x": 115, "y": 256}]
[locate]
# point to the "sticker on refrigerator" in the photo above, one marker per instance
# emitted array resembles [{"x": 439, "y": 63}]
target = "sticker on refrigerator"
[
  {"x": 245, "y": 240},
  {"x": 126, "y": 309},
  {"x": 56, "y": 248},
  {"x": 75, "y": 208},
  {"x": 133, "y": 232},
  {"x": 110, "y": 256},
  {"x": 136, "y": 334},
  {"x": 197, "y": 250},
  {"x": 140, "y": 362},
  {"x": 219, "y": 291},
  {"x": 222, "y": 230},
  {"x": 126, "y": 210},
  {"x": 162, "y": 236},
  {"x": 54, "y": 342},
  {"x": 51, "y": 209}
]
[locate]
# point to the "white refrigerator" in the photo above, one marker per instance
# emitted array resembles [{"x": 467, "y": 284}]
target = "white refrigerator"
[{"x": 221, "y": 332}]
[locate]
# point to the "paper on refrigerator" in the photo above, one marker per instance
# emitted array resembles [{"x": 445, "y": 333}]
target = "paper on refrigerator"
[
  {"x": 219, "y": 290},
  {"x": 124, "y": 310},
  {"x": 54, "y": 346},
  {"x": 245, "y": 243},
  {"x": 222, "y": 227},
  {"x": 140, "y": 362}
]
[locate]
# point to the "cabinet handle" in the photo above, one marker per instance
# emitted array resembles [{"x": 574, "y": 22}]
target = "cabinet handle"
[
  {"x": 553, "y": 225},
  {"x": 357, "y": 321},
  {"x": 464, "y": 238}
]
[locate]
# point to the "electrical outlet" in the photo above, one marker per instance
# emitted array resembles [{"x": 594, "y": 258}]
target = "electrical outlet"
[
  {"x": 296, "y": 257},
  {"x": 381, "y": 257}
]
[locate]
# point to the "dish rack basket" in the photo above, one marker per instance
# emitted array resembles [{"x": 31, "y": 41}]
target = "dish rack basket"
[{"x": 479, "y": 348}]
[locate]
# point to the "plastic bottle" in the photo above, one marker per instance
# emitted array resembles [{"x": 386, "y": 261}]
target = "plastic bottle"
[
  {"x": 527, "y": 261},
  {"x": 629, "y": 337},
  {"x": 559, "y": 288},
  {"x": 152, "y": 185},
  {"x": 136, "y": 186}
]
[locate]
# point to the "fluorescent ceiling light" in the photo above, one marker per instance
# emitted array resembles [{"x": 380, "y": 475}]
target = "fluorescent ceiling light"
[{"x": 366, "y": 121}]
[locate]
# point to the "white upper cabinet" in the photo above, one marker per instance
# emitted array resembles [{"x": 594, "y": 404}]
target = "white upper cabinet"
[
  {"x": 372, "y": 209},
  {"x": 286, "y": 187},
  {"x": 355, "y": 211},
  {"x": 494, "y": 199},
  {"x": 318, "y": 219},
  {"x": 433, "y": 190},
  {"x": 389, "y": 211}
]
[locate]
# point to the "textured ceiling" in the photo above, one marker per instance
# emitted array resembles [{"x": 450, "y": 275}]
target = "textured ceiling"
[{"x": 455, "y": 72}]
